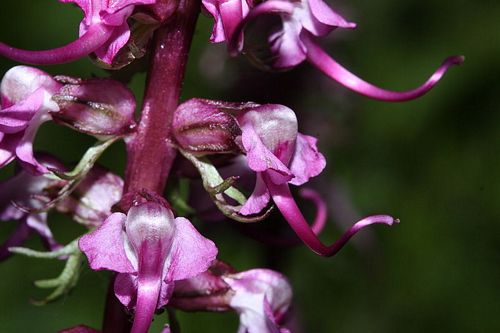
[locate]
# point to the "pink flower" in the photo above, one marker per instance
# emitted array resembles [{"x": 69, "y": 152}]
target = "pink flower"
[
  {"x": 25, "y": 190},
  {"x": 150, "y": 249},
  {"x": 280, "y": 155},
  {"x": 29, "y": 97},
  {"x": 274, "y": 149},
  {"x": 261, "y": 297},
  {"x": 26, "y": 103},
  {"x": 103, "y": 30},
  {"x": 24, "y": 196},
  {"x": 227, "y": 15},
  {"x": 303, "y": 22}
]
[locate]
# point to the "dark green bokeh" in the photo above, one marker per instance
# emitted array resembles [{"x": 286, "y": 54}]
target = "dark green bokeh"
[{"x": 433, "y": 162}]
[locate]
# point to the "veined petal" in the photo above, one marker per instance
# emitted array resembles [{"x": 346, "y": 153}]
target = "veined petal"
[
  {"x": 24, "y": 149},
  {"x": 17, "y": 117},
  {"x": 8, "y": 145},
  {"x": 104, "y": 247},
  {"x": 260, "y": 158},
  {"x": 324, "y": 15},
  {"x": 307, "y": 161},
  {"x": 191, "y": 253},
  {"x": 318, "y": 57},
  {"x": 258, "y": 200},
  {"x": 232, "y": 12},
  {"x": 22, "y": 81},
  {"x": 261, "y": 297},
  {"x": 112, "y": 46},
  {"x": 94, "y": 38},
  {"x": 125, "y": 289}
]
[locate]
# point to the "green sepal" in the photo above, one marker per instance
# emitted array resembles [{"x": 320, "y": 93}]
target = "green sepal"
[{"x": 217, "y": 187}]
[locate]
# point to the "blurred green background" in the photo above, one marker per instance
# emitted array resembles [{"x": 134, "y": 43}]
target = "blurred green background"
[{"x": 433, "y": 162}]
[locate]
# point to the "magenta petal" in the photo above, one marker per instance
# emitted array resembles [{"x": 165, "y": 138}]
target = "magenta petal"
[
  {"x": 260, "y": 158},
  {"x": 16, "y": 117},
  {"x": 8, "y": 145},
  {"x": 325, "y": 15},
  {"x": 307, "y": 162},
  {"x": 261, "y": 297},
  {"x": 288, "y": 207},
  {"x": 191, "y": 253},
  {"x": 258, "y": 200},
  {"x": 22, "y": 81},
  {"x": 166, "y": 291},
  {"x": 104, "y": 247},
  {"x": 24, "y": 149},
  {"x": 125, "y": 288},
  {"x": 94, "y": 38},
  {"x": 334, "y": 70},
  {"x": 116, "y": 41},
  {"x": 232, "y": 12}
]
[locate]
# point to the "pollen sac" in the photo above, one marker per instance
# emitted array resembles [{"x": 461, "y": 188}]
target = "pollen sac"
[
  {"x": 101, "y": 107},
  {"x": 208, "y": 127}
]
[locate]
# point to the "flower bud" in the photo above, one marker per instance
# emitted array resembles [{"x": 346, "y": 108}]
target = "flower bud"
[
  {"x": 96, "y": 107},
  {"x": 207, "y": 127}
]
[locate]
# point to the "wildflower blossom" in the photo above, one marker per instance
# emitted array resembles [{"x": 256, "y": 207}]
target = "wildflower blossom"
[
  {"x": 24, "y": 196},
  {"x": 261, "y": 297},
  {"x": 150, "y": 249},
  {"x": 25, "y": 94},
  {"x": 25, "y": 189},
  {"x": 30, "y": 97},
  {"x": 274, "y": 150},
  {"x": 303, "y": 22}
]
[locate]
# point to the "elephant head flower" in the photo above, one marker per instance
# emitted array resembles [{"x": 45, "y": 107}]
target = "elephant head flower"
[{"x": 150, "y": 249}]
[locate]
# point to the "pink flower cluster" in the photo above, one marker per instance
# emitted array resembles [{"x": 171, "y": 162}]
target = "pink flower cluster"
[{"x": 158, "y": 257}]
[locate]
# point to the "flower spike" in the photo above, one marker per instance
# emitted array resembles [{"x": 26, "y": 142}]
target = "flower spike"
[
  {"x": 288, "y": 207},
  {"x": 336, "y": 71}
]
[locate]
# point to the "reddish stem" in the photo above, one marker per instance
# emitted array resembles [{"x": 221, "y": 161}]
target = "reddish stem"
[{"x": 150, "y": 155}]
